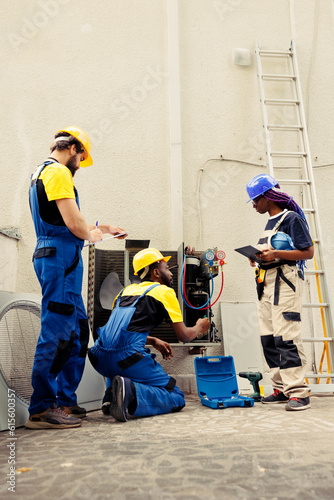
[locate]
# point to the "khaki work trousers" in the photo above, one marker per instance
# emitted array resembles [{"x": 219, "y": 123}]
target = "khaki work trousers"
[{"x": 280, "y": 330}]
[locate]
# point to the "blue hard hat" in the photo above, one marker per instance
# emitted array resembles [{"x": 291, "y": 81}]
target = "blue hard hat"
[
  {"x": 259, "y": 185},
  {"x": 282, "y": 241}
]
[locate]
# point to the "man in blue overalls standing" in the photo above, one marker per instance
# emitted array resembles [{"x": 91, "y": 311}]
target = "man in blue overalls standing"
[
  {"x": 140, "y": 387},
  {"x": 61, "y": 230}
]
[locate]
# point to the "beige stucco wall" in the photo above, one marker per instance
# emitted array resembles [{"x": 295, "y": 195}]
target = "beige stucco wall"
[
  {"x": 104, "y": 67},
  {"x": 9, "y": 245}
]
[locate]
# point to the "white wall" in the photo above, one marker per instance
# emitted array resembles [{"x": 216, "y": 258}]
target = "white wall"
[
  {"x": 104, "y": 67},
  {"x": 8, "y": 264}
]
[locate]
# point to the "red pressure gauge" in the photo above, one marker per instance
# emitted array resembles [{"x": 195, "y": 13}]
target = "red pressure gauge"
[{"x": 220, "y": 255}]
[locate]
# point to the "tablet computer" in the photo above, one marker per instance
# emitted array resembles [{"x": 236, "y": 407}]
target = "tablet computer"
[{"x": 250, "y": 252}]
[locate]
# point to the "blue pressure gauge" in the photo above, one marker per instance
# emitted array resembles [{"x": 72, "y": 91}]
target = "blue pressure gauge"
[{"x": 209, "y": 256}]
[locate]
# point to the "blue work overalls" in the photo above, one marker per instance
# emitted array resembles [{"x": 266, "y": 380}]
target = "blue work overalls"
[
  {"x": 62, "y": 345},
  {"x": 119, "y": 351}
]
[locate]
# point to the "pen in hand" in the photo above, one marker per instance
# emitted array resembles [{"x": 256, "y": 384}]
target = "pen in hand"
[{"x": 97, "y": 226}]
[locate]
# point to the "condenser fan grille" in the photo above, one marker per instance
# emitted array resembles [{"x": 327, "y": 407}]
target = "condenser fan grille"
[
  {"x": 106, "y": 261},
  {"x": 20, "y": 324}
]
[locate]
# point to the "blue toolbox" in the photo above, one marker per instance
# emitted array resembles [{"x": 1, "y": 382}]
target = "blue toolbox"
[{"x": 217, "y": 384}]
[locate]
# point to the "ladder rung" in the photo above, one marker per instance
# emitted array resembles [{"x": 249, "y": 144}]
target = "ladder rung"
[
  {"x": 284, "y": 127},
  {"x": 324, "y": 339},
  {"x": 318, "y": 271},
  {"x": 319, "y": 375},
  {"x": 275, "y": 53},
  {"x": 286, "y": 167},
  {"x": 309, "y": 305},
  {"x": 267, "y": 76},
  {"x": 294, "y": 181},
  {"x": 289, "y": 154},
  {"x": 309, "y": 210},
  {"x": 281, "y": 101}
]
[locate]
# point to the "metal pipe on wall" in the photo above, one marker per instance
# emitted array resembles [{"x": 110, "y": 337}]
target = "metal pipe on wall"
[{"x": 175, "y": 125}]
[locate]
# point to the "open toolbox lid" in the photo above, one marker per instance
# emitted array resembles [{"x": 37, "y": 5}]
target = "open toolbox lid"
[{"x": 216, "y": 377}]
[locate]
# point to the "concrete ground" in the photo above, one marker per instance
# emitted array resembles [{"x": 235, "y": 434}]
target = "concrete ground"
[{"x": 263, "y": 452}]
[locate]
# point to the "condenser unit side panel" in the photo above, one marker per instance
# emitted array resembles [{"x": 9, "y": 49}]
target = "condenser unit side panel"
[
  {"x": 91, "y": 388},
  {"x": 241, "y": 338}
]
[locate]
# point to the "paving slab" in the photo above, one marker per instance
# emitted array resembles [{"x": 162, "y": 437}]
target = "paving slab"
[{"x": 263, "y": 452}]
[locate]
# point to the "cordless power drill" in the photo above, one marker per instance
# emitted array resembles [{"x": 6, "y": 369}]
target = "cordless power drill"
[{"x": 254, "y": 378}]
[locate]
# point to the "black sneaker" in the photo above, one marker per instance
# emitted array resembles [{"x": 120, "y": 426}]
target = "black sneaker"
[
  {"x": 106, "y": 402},
  {"x": 122, "y": 395},
  {"x": 276, "y": 397},
  {"x": 298, "y": 404}
]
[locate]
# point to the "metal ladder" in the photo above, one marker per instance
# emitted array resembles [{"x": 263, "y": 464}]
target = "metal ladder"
[{"x": 284, "y": 124}]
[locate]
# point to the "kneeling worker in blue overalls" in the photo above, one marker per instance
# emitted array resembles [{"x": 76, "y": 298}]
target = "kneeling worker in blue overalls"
[{"x": 140, "y": 387}]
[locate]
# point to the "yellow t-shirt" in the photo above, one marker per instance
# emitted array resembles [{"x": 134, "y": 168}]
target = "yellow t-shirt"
[
  {"x": 54, "y": 183},
  {"x": 157, "y": 305},
  {"x": 57, "y": 181}
]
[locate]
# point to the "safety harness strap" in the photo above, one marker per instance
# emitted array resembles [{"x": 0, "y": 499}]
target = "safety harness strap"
[
  {"x": 276, "y": 291},
  {"x": 277, "y": 264}
]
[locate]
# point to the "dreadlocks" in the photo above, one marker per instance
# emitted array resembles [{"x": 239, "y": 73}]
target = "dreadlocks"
[{"x": 283, "y": 200}]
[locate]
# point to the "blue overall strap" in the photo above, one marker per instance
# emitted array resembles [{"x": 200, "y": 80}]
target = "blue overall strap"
[
  {"x": 43, "y": 165},
  {"x": 118, "y": 321},
  {"x": 118, "y": 298},
  {"x": 42, "y": 228},
  {"x": 140, "y": 296},
  {"x": 146, "y": 291}
]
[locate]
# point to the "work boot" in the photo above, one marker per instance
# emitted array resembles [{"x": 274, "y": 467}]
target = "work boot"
[
  {"x": 74, "y": 411},
  {"x": 52, "y": 418},
  {"x": 298, "y": 404},
  {"x": 276, "y": 397},
  {"x": 106, "y": 401},
  {"x": 122, "y": 395}
]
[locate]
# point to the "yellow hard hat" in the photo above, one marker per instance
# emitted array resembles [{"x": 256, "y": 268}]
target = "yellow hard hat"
[
  {"x": 83, "y": 138},
  {"x": 146, "y": 257}
]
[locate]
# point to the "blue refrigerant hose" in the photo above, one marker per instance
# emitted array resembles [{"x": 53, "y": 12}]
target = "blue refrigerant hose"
[{"x": 185, "y": 300}]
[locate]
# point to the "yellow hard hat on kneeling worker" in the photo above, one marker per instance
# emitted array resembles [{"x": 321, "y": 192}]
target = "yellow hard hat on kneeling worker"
[
  {"x": 83, "y": 138},
  {"x": 146, "y": 257}
]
